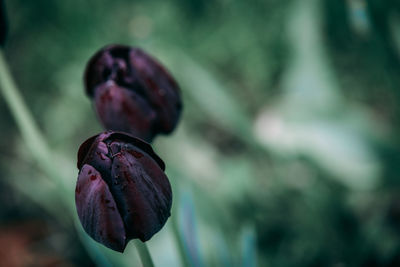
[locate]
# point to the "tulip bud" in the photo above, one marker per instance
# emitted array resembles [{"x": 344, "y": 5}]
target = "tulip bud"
[
  {"x": 122, "y": 192},
  {"x": 132, "y": 92}
]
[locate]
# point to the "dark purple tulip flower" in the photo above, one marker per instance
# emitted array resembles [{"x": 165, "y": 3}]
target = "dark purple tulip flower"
[
  {"x": 132, "y": 92},
  {"x": 122, "y": 192}
]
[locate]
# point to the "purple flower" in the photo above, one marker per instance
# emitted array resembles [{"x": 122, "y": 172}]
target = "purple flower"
[
  {"x": 132, "y": 92},
  {"x": 122, "y": 192}
]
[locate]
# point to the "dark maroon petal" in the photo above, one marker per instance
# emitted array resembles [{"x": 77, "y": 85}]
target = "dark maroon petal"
[
  {"x": 90, "y": 146},
  {"x": 123, "y": 110},
  {"x": 104, "y": 66},
  {"x": 143, "y": 194},
  {"x": 131, "y": 141},
  {"x": 162, "y": 90},
  {"x": 84, "y": 149},
  {"x": 97, "y": 210},
  {"x": 95, "y": 153}
]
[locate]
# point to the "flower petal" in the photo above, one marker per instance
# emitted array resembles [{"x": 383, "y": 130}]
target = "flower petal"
[
  {"x": 124, "y": 110},
  {"x": 98, "y": 211},
  {"x": 143, "y": 193}
]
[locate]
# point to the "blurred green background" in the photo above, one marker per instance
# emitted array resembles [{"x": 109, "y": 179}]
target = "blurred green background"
[{"x": 287, "y": 153}]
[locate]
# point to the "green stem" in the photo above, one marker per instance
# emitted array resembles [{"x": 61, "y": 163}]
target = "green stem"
[
  {"x": 29, "y": 130},
  {"x": 175, "y": 230},
  {"x": 144, "y": 254},
  {"x": 25, "y": 122},
  {"x": 179, "y": 242}
]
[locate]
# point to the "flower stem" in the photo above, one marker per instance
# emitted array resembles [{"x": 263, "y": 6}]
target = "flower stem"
[
  {"x": 25, "y": 122},
  {"x": 144, "y": 254},
  {"x": 29, "y": 130}
]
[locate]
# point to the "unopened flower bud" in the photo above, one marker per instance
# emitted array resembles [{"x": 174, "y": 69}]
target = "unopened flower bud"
[
  {"x": 132, "y": 92},
  {"x": 122, "y": 192}
]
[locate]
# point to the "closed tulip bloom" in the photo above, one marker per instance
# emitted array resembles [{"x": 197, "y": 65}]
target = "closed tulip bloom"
[
  {"x": 132, "y": 92},
  {"x": 122, "y": 191}
]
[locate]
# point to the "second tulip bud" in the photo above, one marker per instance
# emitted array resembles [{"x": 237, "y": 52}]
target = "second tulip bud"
[{"x": 132, "y": 92}]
